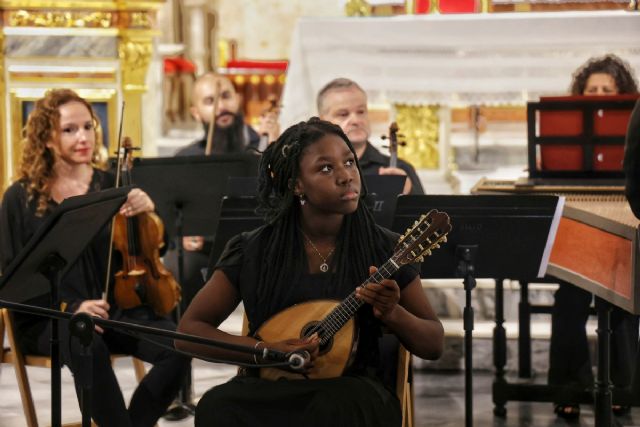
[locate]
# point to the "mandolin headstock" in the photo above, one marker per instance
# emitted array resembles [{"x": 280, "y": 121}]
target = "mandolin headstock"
[{"x": 426, "y": 234}]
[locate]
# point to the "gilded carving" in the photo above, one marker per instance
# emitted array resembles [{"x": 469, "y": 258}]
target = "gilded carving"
[
  {"x": 420, "y": 127},
  {"x": 60, "y": 19},
  {"x": 140, "y": 20},
  {"x": 135, "y": 56},
  {"x": 136, "y": 20},
  {"x": 357, "y": 8}
]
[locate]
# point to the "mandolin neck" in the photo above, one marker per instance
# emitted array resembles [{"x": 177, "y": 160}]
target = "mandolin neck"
[{"x": 340, "y": 315}]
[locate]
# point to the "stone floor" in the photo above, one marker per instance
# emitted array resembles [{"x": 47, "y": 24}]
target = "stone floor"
[
  {"x": 439, "y": 399},
  {"x": 439, "y": 393}
]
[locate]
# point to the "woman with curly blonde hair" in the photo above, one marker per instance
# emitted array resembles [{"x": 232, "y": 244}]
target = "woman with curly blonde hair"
[{"x": 61, "y": 145}]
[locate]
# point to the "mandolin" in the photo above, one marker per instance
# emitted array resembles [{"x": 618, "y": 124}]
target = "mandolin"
[{"x": 333, "y": 321}]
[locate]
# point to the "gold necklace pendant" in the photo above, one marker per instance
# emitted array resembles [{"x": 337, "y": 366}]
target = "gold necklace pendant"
[{"x": 324, "y": 267}]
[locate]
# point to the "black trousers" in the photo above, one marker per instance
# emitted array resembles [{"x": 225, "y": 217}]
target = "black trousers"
[
  {"x": 343, "y": 401},
  {"x": 154, "y": 393},
  {"x": 569, "y": 361}
]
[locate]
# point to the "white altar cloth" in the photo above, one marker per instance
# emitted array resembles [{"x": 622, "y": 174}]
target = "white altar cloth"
[{"x": 452, "y": 59}]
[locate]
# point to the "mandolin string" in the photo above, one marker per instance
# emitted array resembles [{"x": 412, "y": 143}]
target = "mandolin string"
[{"x": 340, "y": 315}]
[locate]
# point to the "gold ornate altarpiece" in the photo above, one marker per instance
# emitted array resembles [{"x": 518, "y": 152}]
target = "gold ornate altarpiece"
[{"x": 100, "y": 48}]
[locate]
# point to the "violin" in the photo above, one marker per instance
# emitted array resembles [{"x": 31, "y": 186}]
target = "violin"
[
  {"x": 143, "y": 278},
  {"x": 393, "y": 144}
]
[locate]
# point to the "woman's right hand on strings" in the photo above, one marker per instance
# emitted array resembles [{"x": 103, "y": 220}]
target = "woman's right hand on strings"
[
  {"x": 310, "y": 345},
  {"x": 95, "y": 307}
]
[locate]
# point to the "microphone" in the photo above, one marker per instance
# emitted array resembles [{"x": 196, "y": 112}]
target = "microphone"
[{"x": 297, "y": 359}]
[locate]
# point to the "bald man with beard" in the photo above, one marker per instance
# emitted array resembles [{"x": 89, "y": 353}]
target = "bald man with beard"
[{"x": 231, "y": 133}]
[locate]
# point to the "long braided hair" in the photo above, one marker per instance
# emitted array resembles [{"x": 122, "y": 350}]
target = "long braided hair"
[{"x": 359, "y": 244}]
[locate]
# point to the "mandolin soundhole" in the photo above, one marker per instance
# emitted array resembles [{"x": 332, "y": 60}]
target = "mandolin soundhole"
[{"x": 308, "y": 329}]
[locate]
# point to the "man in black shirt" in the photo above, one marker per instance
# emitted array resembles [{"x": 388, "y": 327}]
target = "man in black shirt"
[
  {"x": 231, "y": 133},
  {"x": 343, "y": 102}
]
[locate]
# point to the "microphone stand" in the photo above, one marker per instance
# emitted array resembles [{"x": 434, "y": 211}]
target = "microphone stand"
[
  {"x": 51, "y": 268},
  {"x": 82, "y": 326},
  {"x": 182, "y": 406}
]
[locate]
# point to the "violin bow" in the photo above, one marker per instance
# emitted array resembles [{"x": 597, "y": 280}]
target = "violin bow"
[
  {"x": 212, "y": 122},
  {"x": 105, "y": 294}
]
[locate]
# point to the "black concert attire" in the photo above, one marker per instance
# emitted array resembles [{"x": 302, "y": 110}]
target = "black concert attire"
[
  {"x": 632, "y": 161},
  {"x": 196, "y": 261},
  {"x": 358, "y": 398},
  {"x": 569, "y": 361},
  {"x": 372, "y": 160},
  {"x": 84, "y": 280}
]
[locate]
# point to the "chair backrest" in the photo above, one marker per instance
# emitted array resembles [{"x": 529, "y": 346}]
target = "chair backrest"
[{"x": 14, "y": 356}]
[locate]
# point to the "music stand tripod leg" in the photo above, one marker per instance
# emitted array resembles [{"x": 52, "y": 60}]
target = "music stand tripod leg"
[
  {"x": 182, "y": 407},
  {"x": 51, "y": 268},
  {"x": 81, "y": 326},
  {"x": 465, "y": 255}
]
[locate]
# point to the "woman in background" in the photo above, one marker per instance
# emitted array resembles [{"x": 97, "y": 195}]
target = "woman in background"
[
  {"x": 569, "y": 359},
  {"x": 61, "y": 148}
]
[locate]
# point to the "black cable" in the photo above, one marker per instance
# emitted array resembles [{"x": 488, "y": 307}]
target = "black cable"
[{"x": 197, "y": 356}]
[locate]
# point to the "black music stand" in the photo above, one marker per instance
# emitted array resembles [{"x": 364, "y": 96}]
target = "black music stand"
[
  {"x": 40, "y": 266},
  {"x": 382, "y": 193},
  {"x": 491, "y": 236},
  {"x": 187, "y": 192},
  {"x": 237, "y": 214}
]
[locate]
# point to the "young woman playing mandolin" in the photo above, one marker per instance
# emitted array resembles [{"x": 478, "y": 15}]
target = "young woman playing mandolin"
[
  {"x": 320, "y": 243},
  {"x": 60, "y": 147}
]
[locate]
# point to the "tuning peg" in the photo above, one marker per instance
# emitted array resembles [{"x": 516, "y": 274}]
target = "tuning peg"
[
  {"x": 436, "y": 246},
  {"x": 444, "y": 239},
  {"x": 420, "y": 259},
  {"x": 428, "y": 252}
]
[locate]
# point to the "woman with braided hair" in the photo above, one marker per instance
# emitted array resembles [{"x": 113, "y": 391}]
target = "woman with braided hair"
[{"x": 319, "y": 242}]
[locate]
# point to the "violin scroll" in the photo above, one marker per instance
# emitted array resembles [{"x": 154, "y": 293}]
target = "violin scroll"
[{"x": 393, "y": 144}]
